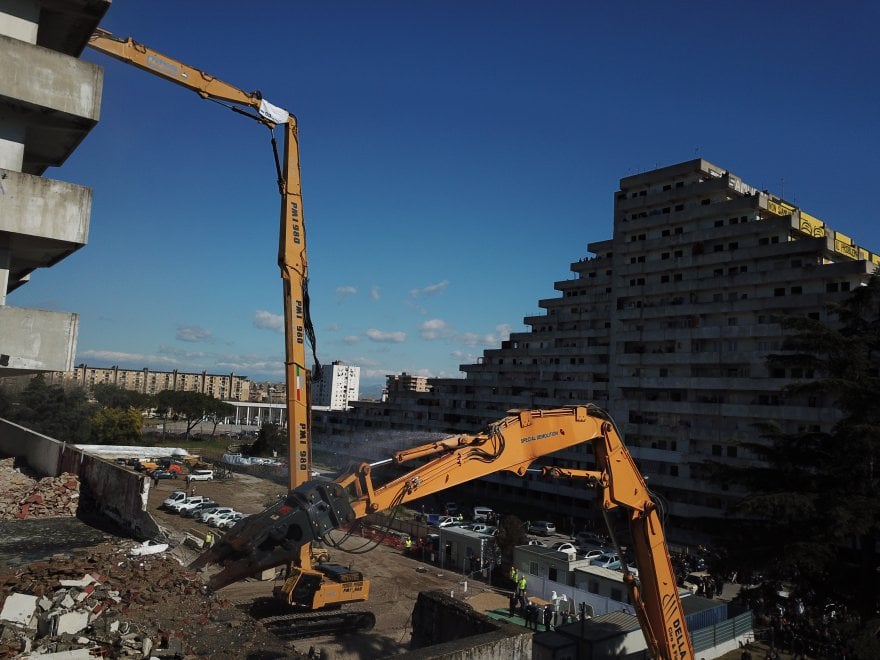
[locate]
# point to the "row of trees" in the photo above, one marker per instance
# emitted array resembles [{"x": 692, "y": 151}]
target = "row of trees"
[{"x": 112, "y": 416}]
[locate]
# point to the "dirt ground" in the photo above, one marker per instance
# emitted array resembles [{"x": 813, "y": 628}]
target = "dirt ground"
[{"x": 395, "y": 580}]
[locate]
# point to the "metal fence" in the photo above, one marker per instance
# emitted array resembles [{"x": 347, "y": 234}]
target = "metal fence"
[{"x": 720, "y": 633}]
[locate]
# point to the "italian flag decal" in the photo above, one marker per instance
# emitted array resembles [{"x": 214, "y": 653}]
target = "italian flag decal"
[{"x": 298, "y": 384}]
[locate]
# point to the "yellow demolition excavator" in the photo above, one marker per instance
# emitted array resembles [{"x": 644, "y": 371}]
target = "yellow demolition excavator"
[
  {"x": 287, "y": 532},
  {"x": 313, "y": 510}
]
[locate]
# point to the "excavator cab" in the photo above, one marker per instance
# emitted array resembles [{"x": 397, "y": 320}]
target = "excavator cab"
[{"x": 327, "y": 586}]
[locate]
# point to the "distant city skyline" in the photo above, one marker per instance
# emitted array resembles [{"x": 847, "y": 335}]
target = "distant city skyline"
[{"x": 455, "y": 160}]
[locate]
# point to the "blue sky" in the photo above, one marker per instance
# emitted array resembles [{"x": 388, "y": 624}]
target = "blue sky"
[{"x": 456, "y": 157}]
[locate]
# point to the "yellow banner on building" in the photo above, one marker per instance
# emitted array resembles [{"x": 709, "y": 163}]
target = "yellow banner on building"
[{"x": 812, "y": 225}]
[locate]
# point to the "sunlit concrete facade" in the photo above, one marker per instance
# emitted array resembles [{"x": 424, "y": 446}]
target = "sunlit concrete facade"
[{"x": 49, "y": 101}]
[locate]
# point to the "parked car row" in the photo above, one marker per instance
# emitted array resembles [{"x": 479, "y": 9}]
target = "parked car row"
[{"x": 203, "y": 509}]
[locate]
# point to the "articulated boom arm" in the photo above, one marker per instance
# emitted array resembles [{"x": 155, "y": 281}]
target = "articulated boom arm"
[
  {"x": 292, "y": 237},
  {"x": 654, "y": 592},
  {"x": 511, "y": 444},
  {"x": 278, "y": 534},
  {"x": 283, "y": 531}
]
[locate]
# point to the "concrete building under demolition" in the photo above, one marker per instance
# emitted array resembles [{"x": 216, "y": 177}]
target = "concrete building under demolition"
[
  {"x": 49, "y": 101},
  {"x": 667, "y": 326}
]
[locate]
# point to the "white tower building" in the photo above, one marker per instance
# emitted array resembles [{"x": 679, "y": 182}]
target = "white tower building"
[{"x": 339, "y": 385}]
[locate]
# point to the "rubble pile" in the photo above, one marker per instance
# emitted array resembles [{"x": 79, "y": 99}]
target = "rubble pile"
[
  {"x": 109, "y": 604},
  {"x": 24, "y": 497}
]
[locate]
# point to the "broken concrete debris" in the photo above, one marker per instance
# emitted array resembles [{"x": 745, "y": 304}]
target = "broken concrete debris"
[
  {"x": 65, "y": 605},
  {"x": 25, "y": 497}
]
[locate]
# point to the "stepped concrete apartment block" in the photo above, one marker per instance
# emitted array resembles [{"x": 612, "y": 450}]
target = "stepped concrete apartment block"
[{"x": 666, "y": 325}]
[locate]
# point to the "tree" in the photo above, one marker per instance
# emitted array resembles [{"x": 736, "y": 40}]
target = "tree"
[
  {"x": 511, "y": 533},
  {"x": 191, "y": 406},
  {"x": 116, "y": 426},
  {"x": 812, "y": 514},
  {"x": 64, "y": 414},
  {"x": 220, "y": 411},
  {"x": 113, "y": 396},
  {"x": 270, "y": 439}
]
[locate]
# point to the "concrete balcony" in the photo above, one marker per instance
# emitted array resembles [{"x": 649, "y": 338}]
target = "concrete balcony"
[
  {"x": 34, "y": 340},
  {"x": 55, "y": 98},
  {"x": 44, "y": 221}
]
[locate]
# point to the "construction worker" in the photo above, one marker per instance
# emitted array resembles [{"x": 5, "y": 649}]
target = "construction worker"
[
  {"x": 513, "y": 575},
  {"x": 521, "y": 585},
  {"x": 407, "y": 544},
  {"x": 209, "y": 540}
]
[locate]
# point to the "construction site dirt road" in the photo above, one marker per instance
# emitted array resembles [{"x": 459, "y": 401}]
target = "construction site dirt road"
[{"x": 396, "y": 580}]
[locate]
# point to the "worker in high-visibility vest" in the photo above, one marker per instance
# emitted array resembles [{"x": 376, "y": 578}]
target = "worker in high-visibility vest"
[
  {"x": 407, "y": 544},
  {"x": 522, "y": 585}
]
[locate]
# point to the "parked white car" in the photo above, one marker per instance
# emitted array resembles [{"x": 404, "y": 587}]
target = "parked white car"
[
  {"x": 189, "y": 503},
  {"x": 566, "y": 547},
  {"x": 205, "y": 514},
  {"x": 607, "y": 560},
  {"x": 200, "y": 475},
  {"x": 215, "y": 520},
  {"x": 211, "y": 518},
  {"x": 482, "y": 513},
  {"x": 195, "y": 511},
  {"x": 229, "y": 522},
  {"x": 593, "y": 554},
  {"x": 175, "y": 497}
]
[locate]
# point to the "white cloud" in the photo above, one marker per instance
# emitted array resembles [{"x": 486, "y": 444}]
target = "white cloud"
[
  {"x": 473, "y": 339},
  {"x": 387, "y": 337},
  {"x": 173, "y": 357},
  {"x": 502, "y": 333},
  {"x": 268, "y": 321},
  {"x": 345, "y": 292},
  {"x": 351, "y": 339},
  {"x": 435, "y": 329},
  {"x": 193, "y": 333},
  {"x": 374, "y": 293},
  {"x": 120, "y": 358},
  {"x": 429, "y": 290}
]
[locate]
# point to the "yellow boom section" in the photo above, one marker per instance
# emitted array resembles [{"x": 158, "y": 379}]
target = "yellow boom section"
[{"x": 292, "y": 237}]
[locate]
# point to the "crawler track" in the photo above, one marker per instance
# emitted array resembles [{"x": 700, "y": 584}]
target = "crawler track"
[{"x": 312, "y": 624}]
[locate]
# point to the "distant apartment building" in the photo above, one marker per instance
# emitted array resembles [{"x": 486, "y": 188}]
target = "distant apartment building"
[
  {"x": 267, "y": 392},
  {"x": 338, "y": 386},
  {"x": 227, "y": 387},
  {"x": 49, "y": 101},
  {"x": 404, "y": 382},
  {"x": 667, "y": 326}
]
